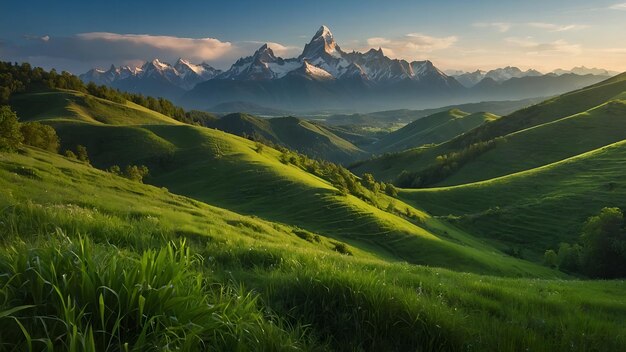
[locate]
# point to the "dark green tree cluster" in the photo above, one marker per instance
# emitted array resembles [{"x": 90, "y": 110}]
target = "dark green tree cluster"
[
  {"x": 41, "y": 136},
  {"x": 445, "y": 165},
  {"x": 35, "y": 134},
  {"x": 10, "y": 135},
  {"x": 601, "y": 252},
  {"x": 80, "y": 154}
]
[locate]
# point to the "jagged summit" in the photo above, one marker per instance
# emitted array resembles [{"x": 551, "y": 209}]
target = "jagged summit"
[{"x": 323, "y": 42}]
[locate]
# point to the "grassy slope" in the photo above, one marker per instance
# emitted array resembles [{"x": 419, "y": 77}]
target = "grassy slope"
[
  {"x": 433, "y": 129},
  {"x": 308, "y": 138},
  {"x": 547, "y": 143},
  {"x": 538, "y": 208},
  {"x": 62, "y": 104},
  {"x": 346, "y": 302},
  {"x": 388, "y": 167},
  {"x": 224, "y": 170}
]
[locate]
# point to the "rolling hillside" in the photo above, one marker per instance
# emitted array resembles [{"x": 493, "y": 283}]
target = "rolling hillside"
[
  {"x": 432, "y": 129},
  {"x": 226, "y": 171},
  {"x": 76, "y": 106},
  {"x": 306, "y": 137},
  {"x": 246, "y": 284},
  {"x": 535, "y": 209},
  {"x": 236, "y": 247},
  {"x": 547, "y": 143},
  {"x": 584, "y": 108}
]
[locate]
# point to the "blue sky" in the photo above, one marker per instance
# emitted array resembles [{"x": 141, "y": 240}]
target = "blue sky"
[{"x": 548, "y": 34}]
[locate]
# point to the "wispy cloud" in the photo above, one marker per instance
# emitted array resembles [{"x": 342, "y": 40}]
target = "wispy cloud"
[
  {"x": 501, "y": 27},
  {"x": 151, "y": 45},
  {"x": 103, "y": 48},
  {"x": 504, "y": 27},
  {"x": 556, "y": 27},
  {"x": 532, "y": 47},
  {"x": 620, "y": 6},
  {"x": 410, "y": 45}
]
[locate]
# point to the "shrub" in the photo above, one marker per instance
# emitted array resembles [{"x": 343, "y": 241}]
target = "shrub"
[
  {"x": 341, "y": 248},
  {"x": 568, "y": 257},
  {"x": 550, "y": 258},
  {"x": 115, "y": 170},
  {"x": 40, "y": 136},
  {"x": 10, "y": 135},
  {"x": 604, "y": 244},
  {"x": 136, "y": 173},
  {"x": 391, "y": 190},
  {"x": 81, "y": 153},
  {"x": 307, "y": 236},
  {"x": 70, "y": 154}
]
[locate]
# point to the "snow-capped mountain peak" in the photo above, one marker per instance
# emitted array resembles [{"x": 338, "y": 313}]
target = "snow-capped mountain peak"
[{"x": 323, "y": 43}]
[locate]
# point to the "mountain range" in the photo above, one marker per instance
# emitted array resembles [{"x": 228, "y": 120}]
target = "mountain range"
[{"x": 324, "y": 76}]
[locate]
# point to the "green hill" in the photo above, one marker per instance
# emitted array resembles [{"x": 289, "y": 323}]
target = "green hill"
[
  {"x": 496, "y": 133},
  {"x": 432, "y": 129},
  {"x": 236, "y": 247},
  {"x": 547, "y": 143},
  {"x": 236, "y": 282},
  {"x": 225, "y": 170},
  {"x": 535, "y": 209},
  {"x": 72, "y": 105},
  {"x": 306, "y": 137}
]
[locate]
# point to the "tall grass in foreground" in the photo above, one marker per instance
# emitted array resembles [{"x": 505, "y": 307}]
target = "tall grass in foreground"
[
  {"x": 73, "y": 295},
  {"x": 77, "y": 278}
]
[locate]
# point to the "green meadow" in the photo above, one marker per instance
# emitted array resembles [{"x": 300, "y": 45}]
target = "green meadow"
[{"x": 229, "y": 244}]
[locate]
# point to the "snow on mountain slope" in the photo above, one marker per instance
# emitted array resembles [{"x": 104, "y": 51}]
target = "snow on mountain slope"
[{"x": 183, "y": 74}]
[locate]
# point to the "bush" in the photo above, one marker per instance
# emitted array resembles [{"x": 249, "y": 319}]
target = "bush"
[
  {"x": 81, "y": 153},
  {"x": 40, "y": 136},
  {"x": 550, "y": 258},
  {"x": 115, "y": 170},
  {"x": 391, "y": 190},
  {"x": 136, "y": 173},
  {"x": 341, "y": 248},
  {"x": 70, "y": 154},
  {"x": 568, "y": 258},
  {"x": 10, "y": 135},
  {"x": 604, "y": 244}
]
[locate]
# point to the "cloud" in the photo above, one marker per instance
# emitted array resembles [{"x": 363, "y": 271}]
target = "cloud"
[
  {"x": 556, "y": 27},
  {"x": 409, "y": 46},
  {"x": 620, "y": 6},
  {"x": 501, "y": 27},
  {"x": 532, "y": 47},
  {"x": 101, "y": 49},
  {"x": 148, "y": 46}
]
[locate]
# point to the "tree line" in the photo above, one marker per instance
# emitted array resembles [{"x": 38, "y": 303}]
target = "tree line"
[
  {"x": 20, "y": 78},
  {"x": 444, "y": 166}
]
